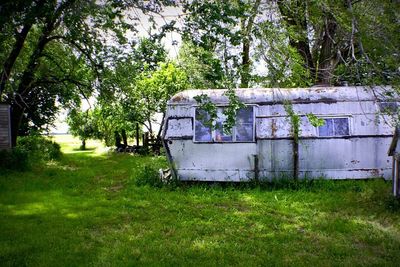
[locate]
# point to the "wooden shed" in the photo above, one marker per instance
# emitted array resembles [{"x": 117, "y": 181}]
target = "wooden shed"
[
  {"x": 5, "y": 126},
  {"x": 394, "y": 152},
  {"x": 352, "y": 143}
]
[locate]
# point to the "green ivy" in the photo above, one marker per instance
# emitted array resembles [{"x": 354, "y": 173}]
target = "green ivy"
[
  {"x": 205, "y": 103},
  {"x": 314, "y": 120},
  {"x": 294, "y": 119},
  {"x": 230, "y": 111}
]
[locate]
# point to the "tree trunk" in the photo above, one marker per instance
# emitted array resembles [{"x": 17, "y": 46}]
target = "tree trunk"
[
  {"x": 124, "y": 137},
  {"x": 295, "y": 148},
  {"x": 245, "y": 72},
  {"x": 117, "y": 139},
  {"x": 150, "y": 128},
  {"x": 327, "y": 61},
  {"x": 12, "y": 57},
  {"x": 28, "y": 78},
  {"x": 16, "y": 117},
  {"x": 20, "y": 38},
  {"x": 298, "y": 21},
  {"x": 137, "y": 134},
  {"x": 246, "y": 30},
  {"x": 83, "y": 146}
]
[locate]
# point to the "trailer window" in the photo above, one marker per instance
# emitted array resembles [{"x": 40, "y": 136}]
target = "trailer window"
[
  {"x": 202, "y": 131},
  {"x": 388, "y": 107},
  {"x": 243, "y": 131},
  {"x": 244, "y": 124},
  {"x": 220, "y": 134},
  {"x": 334, "y": 127}
]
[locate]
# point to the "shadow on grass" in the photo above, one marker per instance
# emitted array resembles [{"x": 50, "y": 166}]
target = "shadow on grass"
[
  {"x": 87, "y": 210},
  {"x": 84, "y": 150}
]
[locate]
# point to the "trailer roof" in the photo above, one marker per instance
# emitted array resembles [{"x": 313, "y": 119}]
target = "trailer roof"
[{"x": 295, "y": 95}]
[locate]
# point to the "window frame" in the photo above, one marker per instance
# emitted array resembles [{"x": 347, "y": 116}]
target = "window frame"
[
  {"x": 349, "y": 123},
  {"x": 213, "y": 131}
]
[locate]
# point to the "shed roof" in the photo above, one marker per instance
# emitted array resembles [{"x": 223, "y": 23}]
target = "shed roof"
[{"x": 295, "y": 95}]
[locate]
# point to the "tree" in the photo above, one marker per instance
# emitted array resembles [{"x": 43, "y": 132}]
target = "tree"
[
  {"x": 58, "y": 27},
  {"x": 299, "y": 43},
  {"x": 335, "y": 37},
  {"x": 374, "y": 53},
  {"x": 118, "y": 108},
  {"x": 213, "y": 25},
  {"x": 152, "y": 91},
  {"x": 202, "y": 67},
  {"x": 81, "y": 124},
  {"x": 89, "y": 35}
]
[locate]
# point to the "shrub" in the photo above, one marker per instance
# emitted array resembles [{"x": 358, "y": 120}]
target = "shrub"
[
  {"x": 14, "y": 159},
  {"x": 29, "y": 150},
  {"x": 149, "y": 175},
  {"x": 40, "y": 148}
]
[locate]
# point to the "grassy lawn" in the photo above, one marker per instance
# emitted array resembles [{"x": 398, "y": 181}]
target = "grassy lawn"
[{"x": 86, "y": 209}]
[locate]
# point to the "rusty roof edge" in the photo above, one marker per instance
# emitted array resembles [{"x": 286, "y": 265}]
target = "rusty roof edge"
[{"x": 312, "y": 94}]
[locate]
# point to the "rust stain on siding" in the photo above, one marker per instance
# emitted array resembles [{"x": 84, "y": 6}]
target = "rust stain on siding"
[{"x": 273, "y": 128}]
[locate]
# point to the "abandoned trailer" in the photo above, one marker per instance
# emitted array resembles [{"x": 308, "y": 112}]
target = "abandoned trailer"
[{"x": 352, "y": 143}]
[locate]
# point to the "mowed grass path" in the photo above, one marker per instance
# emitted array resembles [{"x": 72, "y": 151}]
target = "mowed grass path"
[{"x": 87, "y": 210}]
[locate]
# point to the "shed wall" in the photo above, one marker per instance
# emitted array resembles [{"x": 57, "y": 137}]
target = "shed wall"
[{"x": 5, "y": 127}]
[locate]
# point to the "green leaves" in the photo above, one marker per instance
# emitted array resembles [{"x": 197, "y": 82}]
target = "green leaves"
[
  {"x": 314, "y": 120},
  {"x": 82, "y": 124},
  {"x": 231, "y": 110},
  {"x": 210, "y": 114},
  {"x": 202, "y": 67},
  {"x": 294, "y": 119}
]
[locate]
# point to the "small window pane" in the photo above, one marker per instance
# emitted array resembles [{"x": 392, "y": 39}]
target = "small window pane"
[
  {"x": 327, "y": 128},
  {"x": 220, "y": 135},
  {"x": 244, "y": 124},
  {"x": 388, "y": 107},
  {"x": 244, "y": 132},
  {"x": 341, "y": 126},
  {"x": 202, "y": 132}
]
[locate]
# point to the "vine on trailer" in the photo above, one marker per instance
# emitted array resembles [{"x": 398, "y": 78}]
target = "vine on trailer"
[{"x": 230, "y": 111}]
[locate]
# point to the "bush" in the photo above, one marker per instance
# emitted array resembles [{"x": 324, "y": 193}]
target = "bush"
[
  {"x": 149, "y": 175},
  {"x": 14, "y": 159},
  {"x": 29, "y": 150},
  {"x": 40, "y": 148}
]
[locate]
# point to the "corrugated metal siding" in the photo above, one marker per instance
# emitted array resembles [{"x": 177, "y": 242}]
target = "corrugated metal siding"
[{"x": 5, "y": 137}]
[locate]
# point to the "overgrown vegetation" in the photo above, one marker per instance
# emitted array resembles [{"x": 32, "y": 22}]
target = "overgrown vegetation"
[
  {"x": 31, "y": 150},
  {"x": 15, "y": 159},
  {"x": 209, "y": 114},
  {"x": 40, "y": 148},
  {"x": 87, "y": 209}
]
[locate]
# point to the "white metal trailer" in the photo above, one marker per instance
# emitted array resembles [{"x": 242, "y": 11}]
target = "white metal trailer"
[{"x": 352, "y": 144}]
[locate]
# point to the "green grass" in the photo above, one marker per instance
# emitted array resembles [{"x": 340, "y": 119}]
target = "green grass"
[{"x": 86, "y": 209}]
